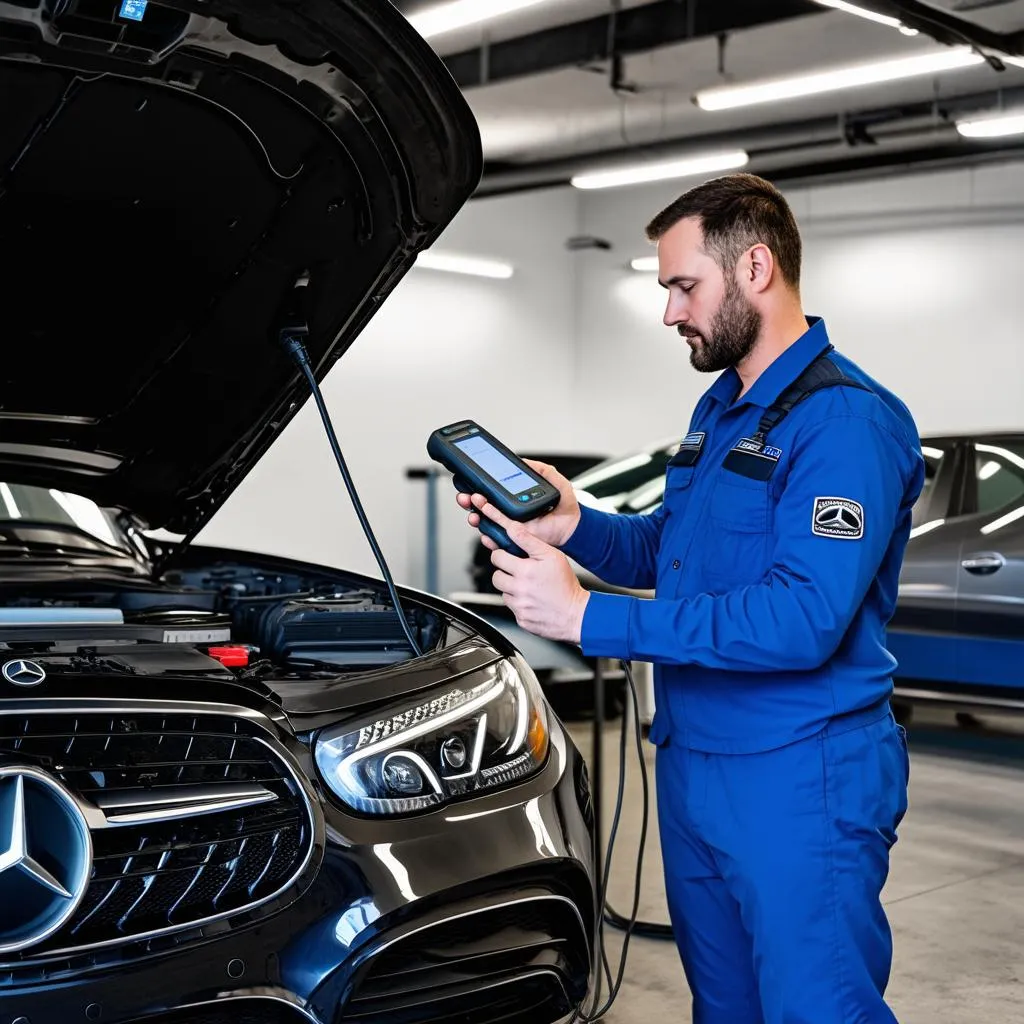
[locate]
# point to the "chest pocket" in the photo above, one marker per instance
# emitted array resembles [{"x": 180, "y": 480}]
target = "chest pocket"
[{"x": 738, "y": 546}]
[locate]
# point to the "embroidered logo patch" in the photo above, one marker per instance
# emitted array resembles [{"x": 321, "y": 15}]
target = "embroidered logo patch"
[
  {"x": 838, "y": 517},
  {"x": 752, "y": 458},
  {"x": 689, "y": 449},
  {"x": 752, "y": 446},
  {"x": 747, "y": 444}
]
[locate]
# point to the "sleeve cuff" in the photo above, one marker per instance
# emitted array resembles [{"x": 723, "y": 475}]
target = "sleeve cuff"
[
  {"x": 586, "y": 541},
  {"x": 605, "y": 629}
]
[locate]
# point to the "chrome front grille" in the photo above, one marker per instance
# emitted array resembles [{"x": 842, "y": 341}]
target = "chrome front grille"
[{"x": 194, "y": 816}]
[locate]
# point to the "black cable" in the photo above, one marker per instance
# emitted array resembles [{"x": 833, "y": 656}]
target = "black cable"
[
  {"x": 631, "y": 923},
  {"x": 644, "y": 929},
  {"x": 292, "y": 342},
  {"x": 593, "y": 1014}
]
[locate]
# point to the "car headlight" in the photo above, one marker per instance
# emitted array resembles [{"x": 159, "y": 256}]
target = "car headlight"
[{"x": 456, "y": 743}]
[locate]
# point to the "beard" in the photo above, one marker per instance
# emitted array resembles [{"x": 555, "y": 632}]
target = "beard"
[{"x": 731, "y": 336}]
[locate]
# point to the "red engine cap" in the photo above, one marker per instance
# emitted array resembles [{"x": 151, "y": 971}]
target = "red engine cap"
[{"x": 230, "y": 656}]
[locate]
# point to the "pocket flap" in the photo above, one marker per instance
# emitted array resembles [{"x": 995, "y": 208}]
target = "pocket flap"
[{"x": 678, "y": 477}]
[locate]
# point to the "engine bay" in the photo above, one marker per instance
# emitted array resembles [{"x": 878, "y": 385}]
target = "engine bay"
[{"x": 243, "y": 617}]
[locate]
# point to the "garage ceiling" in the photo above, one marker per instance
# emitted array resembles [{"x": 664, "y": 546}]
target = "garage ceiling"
[
  {"x": 571, "y": 85},
  {"x": 994, "y": 15}
]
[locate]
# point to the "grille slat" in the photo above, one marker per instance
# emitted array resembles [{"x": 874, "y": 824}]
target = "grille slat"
[
  {"x": 170, "y": 874},
  {"x": 499, "y": 963}
]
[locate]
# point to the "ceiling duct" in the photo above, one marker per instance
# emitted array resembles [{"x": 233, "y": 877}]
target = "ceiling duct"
[
  {"x": 857, "y": 141},
  {"x": 949, "y": 27}
]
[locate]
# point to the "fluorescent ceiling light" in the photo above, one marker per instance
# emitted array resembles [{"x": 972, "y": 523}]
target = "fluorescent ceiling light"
[
  {"x": 932, "y": 453},
  {"x": 464, "y": 13},
  {"x": 641, "y": 173},
  {"x": 464, "y": 265},
  {"x": 726, "y": 97},
  {"x": 645, "y": 264},
  {"x": 995, "y": 127},
  {"x": 989, "y": 470},
  {"x": 863, "y": 12}
]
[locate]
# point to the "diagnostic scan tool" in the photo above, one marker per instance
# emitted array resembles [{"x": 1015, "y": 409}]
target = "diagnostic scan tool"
[{"x": 481, "y": 464}]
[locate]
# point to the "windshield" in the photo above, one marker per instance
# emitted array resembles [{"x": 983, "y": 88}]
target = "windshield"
[{"x": 25, "y": 504}]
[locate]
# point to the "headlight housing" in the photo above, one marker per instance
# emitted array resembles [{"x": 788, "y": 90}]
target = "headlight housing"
[{"x": 458, "y": 742}]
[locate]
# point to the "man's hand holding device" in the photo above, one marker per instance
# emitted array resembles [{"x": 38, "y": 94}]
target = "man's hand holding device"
[
  {"x": 525, "y": 510},
  {"x": 554, "y": 527}
]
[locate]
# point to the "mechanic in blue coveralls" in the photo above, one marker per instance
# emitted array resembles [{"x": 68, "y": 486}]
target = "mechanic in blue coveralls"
[{"x": 781, "y": 772}]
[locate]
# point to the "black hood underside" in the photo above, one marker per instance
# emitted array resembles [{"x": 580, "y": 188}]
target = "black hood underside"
[{"x": 160, "y": 196}]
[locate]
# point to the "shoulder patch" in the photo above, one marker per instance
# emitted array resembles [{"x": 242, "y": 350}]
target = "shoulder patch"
[{"x": 838, "y": 517}]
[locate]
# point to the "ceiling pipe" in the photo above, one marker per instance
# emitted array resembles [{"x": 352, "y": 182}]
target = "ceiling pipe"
[
  {"x": 774, "y": 146},
  {"x": 947, "y": 27},
  {"x": 635, "y": 30}
]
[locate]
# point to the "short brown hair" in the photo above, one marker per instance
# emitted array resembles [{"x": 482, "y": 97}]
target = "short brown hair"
[{"x": 736, "y": 212}]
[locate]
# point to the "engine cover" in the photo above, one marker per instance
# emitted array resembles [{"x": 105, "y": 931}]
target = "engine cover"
[{"x": 347, "y": 631}]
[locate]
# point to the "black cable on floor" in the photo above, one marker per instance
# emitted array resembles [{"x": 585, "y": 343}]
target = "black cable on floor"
[
  {"x": 644, "y": 929},
  {"x": 594, "y": 1014}
]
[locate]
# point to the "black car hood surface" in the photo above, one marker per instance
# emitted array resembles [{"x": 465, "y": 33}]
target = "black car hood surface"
[{"x": 163, "y": 184}]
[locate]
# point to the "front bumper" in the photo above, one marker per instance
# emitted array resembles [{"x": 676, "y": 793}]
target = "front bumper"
[{"x": 482, "y": 910}]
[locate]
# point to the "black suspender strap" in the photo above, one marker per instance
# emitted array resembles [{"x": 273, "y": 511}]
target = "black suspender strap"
[
  {"x": 753, "y": 457},
  {"x": 822, "y": 373}
]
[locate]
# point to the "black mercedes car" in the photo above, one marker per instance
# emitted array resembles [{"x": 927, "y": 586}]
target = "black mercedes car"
[{"x": 234, "y": 787}]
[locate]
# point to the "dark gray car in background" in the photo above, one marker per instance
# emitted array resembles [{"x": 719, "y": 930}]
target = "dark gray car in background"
[{"x": 959, "y": 623}]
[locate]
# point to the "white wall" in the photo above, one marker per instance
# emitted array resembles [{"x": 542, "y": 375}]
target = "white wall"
[
  {"x": 442, "y": 347},
  {"x": 918, "y": 278}
]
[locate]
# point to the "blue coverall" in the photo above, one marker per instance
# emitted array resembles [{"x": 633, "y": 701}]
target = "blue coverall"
[{"x": 781, "y": 773}]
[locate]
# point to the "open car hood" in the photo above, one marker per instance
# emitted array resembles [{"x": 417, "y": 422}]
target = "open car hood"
[{"x": 165, "y": 184}]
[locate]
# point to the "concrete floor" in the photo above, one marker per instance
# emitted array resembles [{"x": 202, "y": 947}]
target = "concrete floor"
[{"x": 955, "y": 896}]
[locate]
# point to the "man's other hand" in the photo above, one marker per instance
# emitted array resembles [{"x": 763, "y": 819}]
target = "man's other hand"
[{"x": 541, "y": 590}]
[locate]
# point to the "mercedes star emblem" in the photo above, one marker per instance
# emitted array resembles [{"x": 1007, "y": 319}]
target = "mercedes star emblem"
[
  {"x": 45, "y": 856},
  {"x": 23, "y": 673},
  {"x": 839, "y": 517}
]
